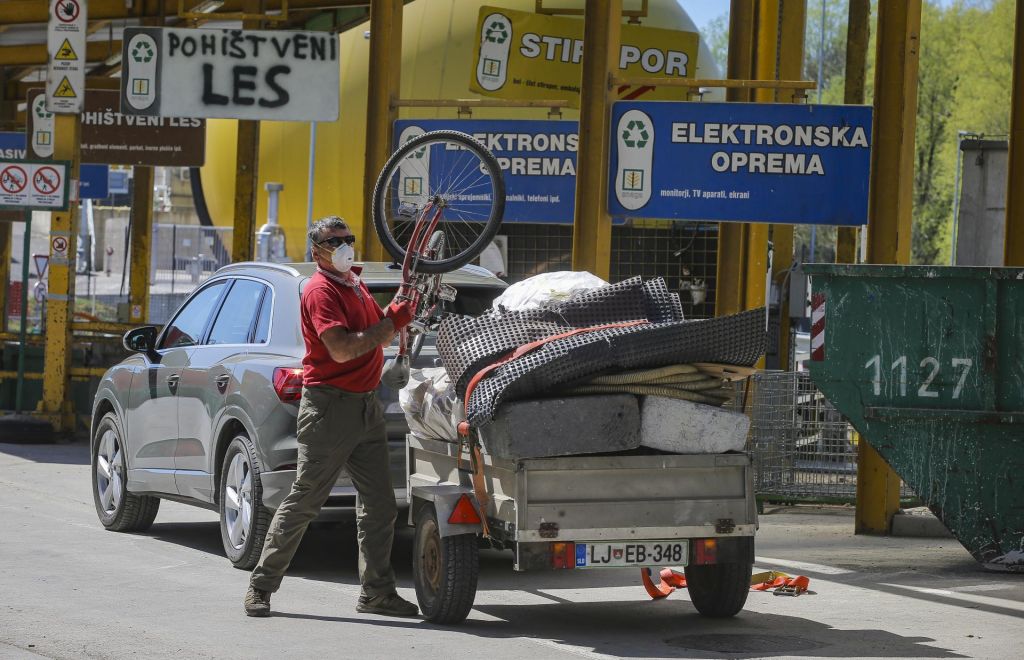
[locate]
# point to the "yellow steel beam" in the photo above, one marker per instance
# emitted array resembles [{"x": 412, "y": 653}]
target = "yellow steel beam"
[
  {"x": 5, "y": 269},
  {"x": 1013, "y": 244},
  {"x": 730, "y": 278},
  {"x": 890, "y": 200},
  {"x": 383, "y": 80},
  {"x": 792, "y": 20},
  {"x": 56, "y": 401},
  {"x": 592, "y": 226},
  {"x": 247, "y": 163},
  {"x": 141, "y": 237},
  {"x": 13, "y": 12},
  {"x": 853, "y": 94},
  {"x": 36, "y": 55},
  {"x": 889, "y": 212}
]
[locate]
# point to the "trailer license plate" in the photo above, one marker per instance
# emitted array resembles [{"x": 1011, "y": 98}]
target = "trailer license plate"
[{"x": 631, "y": 553}]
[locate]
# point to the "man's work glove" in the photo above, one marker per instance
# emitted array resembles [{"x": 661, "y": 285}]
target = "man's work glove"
[{"x": 400, "y": 312}]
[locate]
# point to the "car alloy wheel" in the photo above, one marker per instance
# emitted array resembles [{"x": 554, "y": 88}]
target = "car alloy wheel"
[
  {"x": 238, "y": 500},
  {"x": 109, "y": 472}
]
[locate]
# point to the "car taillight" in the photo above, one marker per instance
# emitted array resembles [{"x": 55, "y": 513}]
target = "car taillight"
[
  {"x": 563, "y": 554},
  {"x": 288, "y": 383}
]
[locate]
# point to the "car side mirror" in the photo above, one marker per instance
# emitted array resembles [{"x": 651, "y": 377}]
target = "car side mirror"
[{"x": 141, "y": 340}]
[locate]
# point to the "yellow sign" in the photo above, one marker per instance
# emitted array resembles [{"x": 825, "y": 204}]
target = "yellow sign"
[
  {"x": 64, "y": 90},
  {"x": 534, "y": 56},
  {"x": 66, "y": 52}
]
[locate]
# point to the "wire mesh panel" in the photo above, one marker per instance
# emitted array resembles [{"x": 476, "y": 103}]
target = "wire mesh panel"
[{"x": 803, "y": 447}]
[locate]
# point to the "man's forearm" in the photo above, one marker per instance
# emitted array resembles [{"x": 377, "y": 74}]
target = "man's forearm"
[{"x": 344, "y": 346}]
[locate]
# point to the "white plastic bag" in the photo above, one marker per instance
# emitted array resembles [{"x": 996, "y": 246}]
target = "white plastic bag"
[
  {"x": 428, "y": 401},
  {"x": 541, "y": 290}
]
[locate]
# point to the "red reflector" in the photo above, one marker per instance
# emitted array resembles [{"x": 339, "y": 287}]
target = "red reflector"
[
  {"x": 706, "y": 551},
  {"x": 464, "y": 512},
  {"x": 288, "y": 383},
  {"x": 563, "y": 554}
]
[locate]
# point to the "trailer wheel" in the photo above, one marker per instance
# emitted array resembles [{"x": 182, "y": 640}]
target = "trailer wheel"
[
  {"x": 718, "y": 590},
  {"x": 445, "y": 570}
]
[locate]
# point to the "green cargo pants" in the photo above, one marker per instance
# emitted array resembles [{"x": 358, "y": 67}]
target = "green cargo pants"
[{"x": 337, "y": 429}]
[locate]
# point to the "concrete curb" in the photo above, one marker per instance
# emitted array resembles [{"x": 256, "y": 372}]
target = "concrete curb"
[{"x": 920, "y": 523}]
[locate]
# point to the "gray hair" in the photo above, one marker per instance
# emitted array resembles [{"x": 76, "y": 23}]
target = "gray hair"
[{"x": 324, "y": 225}]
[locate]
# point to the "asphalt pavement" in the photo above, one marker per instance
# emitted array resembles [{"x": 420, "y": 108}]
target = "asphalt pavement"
[{"x": 70, "y": 589}]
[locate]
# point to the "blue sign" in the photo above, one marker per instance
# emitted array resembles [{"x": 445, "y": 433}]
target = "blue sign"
[
  {"x": 740, "y": 162},
  {"x": 538, "y": 158},
  {"x": 93, "y": 178}
]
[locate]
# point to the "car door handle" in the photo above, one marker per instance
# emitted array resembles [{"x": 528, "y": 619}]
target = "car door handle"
[
  {"x": 222, "y": 382},
  {"x": 172, "y": 382}
]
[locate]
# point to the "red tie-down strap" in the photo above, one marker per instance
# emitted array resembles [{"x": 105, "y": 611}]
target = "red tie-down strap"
[{"x": 670, "y": 580}]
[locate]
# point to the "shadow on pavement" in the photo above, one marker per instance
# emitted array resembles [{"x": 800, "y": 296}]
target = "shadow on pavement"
[{"x": 73, "y": 453}]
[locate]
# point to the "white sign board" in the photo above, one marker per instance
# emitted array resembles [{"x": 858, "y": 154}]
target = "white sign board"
[
  {"x": 41, "y": 138},
  {"x": 30, "y": 184},
  {"x": 65, "y": 46},
  {"x": 272, "y": 75}
]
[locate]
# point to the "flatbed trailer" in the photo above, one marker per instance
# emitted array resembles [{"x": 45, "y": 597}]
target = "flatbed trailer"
[{"x": 580, "y": 513}]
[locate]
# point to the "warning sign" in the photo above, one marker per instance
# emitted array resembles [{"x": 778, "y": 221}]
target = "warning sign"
[
  {"x": 64, "y": 90},
  {"x": 13, "y": 179},
  {"x": 65, "y": 70},
  {"x": 66, "y": 52},
  {"x": 48, "y": 191},
  {"x": 59, "y": 247},
  {"x": 66, "y": 11}
]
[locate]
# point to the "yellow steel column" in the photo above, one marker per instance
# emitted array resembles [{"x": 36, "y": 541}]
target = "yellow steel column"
[
  {"x": 56, "y": 402},
  {"x": 889, "y": 212},
  {"x": 853, "y": 94},
  {"x": 141, "y": 237},
  {"x": 5, "y": 270},
  {"x": 792, "y": 20},
  {"x": 730, "y": 278},
  {"x": 1013, "y": 244},
  {"x": 247, "y": 170},
  {"x": 592, "y": 226},
  {"x": 383, "y": 89}
]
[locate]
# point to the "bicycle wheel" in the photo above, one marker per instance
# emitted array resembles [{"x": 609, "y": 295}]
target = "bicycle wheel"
[{"x": 446, "y": 172}]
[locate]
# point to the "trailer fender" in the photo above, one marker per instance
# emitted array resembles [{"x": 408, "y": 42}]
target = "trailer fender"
[{"x": 445, "y": 498}]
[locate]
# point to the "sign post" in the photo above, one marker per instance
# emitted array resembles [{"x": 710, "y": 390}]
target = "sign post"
[
  {"x": 65, "y": 69},
  {"x": 740, "y": 162}
]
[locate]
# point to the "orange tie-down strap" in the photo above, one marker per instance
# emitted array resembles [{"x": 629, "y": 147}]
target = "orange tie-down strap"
[{"x": 671, "y": 579}]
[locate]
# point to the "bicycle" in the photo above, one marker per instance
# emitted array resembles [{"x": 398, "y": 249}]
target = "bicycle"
[{"x": 437, "y": 204}]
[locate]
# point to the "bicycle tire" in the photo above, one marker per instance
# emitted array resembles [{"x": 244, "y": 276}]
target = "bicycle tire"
[{"x": 461, "y": 254}]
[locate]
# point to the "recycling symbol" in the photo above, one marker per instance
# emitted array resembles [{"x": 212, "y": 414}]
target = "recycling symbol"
[
  {"x": 496, "y": 33},
  {"x": 41, "y": 111},
  {"x": 635, "y": 134},
  {"x": 142, "y": 52}
]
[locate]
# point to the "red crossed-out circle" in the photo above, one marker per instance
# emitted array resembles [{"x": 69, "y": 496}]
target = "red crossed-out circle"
[
  {"x": 46, "y": 181},
  {"x": 13, "y": 179},
  {"x": 60, "y": 244},
  {"x": 66, "y": 11}
]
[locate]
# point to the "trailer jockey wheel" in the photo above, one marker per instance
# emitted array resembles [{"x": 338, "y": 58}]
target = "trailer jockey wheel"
[{"x": 444, "y": 569}]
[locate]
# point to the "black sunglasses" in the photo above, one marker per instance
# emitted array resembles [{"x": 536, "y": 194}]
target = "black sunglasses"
[{"x": 336, "y": 241}]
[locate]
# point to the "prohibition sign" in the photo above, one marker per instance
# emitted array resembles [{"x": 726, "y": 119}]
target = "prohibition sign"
[
  {"x": 46, "y": 181},
  {"x": 13, "y": 179},
  {"x": 66, "y": 11}
]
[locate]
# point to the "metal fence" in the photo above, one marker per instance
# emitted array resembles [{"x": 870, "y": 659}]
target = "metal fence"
[
  {"x": 803, "y": 448},
  {"x": 184, "y": 255}
]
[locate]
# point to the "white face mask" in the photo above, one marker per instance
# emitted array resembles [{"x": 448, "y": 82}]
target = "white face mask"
[{"x": 343, "y": 257}]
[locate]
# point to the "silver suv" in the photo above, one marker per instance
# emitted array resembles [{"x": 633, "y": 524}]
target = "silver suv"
[{"x": 204, "y": 411}]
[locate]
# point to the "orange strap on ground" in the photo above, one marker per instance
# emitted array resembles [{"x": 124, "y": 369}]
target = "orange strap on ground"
[{"x": 671, "y": 580}]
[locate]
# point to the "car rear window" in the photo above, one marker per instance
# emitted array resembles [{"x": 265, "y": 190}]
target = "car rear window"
[{"x": 471, "y": 300}]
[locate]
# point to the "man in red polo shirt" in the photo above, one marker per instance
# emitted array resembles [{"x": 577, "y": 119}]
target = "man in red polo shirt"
[{"x": 340, "y": 425}]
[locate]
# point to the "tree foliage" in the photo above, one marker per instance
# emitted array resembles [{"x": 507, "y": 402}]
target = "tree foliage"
[{"x": 964, "y": 79}]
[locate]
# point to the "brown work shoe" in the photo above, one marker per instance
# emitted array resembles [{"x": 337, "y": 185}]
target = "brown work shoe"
[
  {"x": 388, "y": 605},
  {"x": 257, "y": 602}
]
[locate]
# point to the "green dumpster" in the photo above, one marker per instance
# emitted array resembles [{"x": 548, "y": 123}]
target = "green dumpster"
[{"x": 928, "y": 365}]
